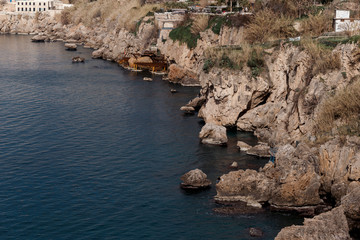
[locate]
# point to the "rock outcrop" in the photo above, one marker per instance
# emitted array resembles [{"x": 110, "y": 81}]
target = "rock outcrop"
[
  {"x": 330, "y": 226},
  {"x": 292, "y": 185},
  {"x": 213, "y": 134}
]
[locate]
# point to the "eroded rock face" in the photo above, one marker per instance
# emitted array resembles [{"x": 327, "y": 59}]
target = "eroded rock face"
[
  {"x": 330, "y": 226},
  {"x": 351, "y": 205},
  {"x": 213, "y": 134},
  {"x": 292, "y": 185},
  {"x": 339, "y": 162}
]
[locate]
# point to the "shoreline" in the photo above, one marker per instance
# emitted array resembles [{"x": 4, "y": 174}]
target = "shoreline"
[{"x": 267, "y": 98}]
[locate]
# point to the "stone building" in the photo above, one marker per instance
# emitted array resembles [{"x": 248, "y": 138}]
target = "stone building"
[
  {"x": 343, "y": 21},
  {"x": 32, "y": 6}
]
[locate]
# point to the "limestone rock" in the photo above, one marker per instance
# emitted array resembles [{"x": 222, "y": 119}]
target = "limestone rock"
[
  {"x": 195, "y": 179},
  {"x": 97, "y": 53},
  {"x": 182, "y": 76},
  {"x": 330, "y": 226},
  {"x": 213, "y": 134},
  {"x": 243, "y": 146},
  {"x": 70, "y": 46},
  {"x": 39, "y": 38},
  {"x": 247, "y": 186},
  {"x": 351, "y": 205},
  {"x": 187, "y": 109},
  {"x": 260, "y": 150}
]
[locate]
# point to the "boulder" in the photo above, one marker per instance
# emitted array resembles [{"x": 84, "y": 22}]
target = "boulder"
[
  {"x": 243, "y": 146},
  {"x": 195, "y": 179},
  {"x": 330, "y": 226},
  {"x": 234, "y": 165},
  {"x": 70, "y": 46},
  {"x": 39, "y": 38},
  {"x": 260, "y": 150},
  {"x": 187, "y": 109},
  {"x": 213, "y": 134},
  {"x": 97, "y": 53},
  {"x": 351, "y": 205},
  {"x": 196, "y": 102},
  {"x": 248, "y": 186}
]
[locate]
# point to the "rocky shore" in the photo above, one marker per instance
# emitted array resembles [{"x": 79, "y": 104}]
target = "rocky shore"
[{"x": 279, "y": 106}]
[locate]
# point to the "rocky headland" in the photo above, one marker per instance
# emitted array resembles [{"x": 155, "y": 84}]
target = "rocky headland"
[{"x": 314, "y": 173}]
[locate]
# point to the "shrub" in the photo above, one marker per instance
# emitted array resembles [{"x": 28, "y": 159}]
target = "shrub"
[
  {"x": 65, "y": 17},
  {"x": 323, "y": 58},
  {"x": 315, "y": 25},
  {"x": 216, "y": 23},
  {"x": 339, "y": 114},
  {"x": 183, "y": 34},
  {"x": 266, "y": 25},
  {"x": 256, "y": 61}
]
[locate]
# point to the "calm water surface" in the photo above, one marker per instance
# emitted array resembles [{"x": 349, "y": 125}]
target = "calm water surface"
[{"x": 90, "y": 151}]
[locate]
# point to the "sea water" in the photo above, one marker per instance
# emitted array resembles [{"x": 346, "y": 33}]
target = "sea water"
[{"x": 91, "y": 151}]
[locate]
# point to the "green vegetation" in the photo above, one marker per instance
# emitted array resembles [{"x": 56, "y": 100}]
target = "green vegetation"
[{"x": 183, "y": 34}]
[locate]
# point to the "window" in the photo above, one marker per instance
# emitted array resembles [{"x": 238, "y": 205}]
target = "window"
[
  {"x": 19, "y": 9},
  {"x": 22, "y": 3},
  {"x": 34, "y": 3},
  {"x": 25, "y": 3},
  {"x": 29, "y": 9},
  {"x": 22, "y": 9},
  {"x": 34, "y": 9}
]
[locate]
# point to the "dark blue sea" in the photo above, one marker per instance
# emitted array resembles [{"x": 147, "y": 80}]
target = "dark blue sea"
[{"x": 91, "y": 151}]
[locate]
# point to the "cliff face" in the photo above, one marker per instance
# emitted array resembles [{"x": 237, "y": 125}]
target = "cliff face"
[{"x": 281, "y": 103}]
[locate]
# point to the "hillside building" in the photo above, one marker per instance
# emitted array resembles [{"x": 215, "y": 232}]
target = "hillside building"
[{"x": 32, "y": 6}]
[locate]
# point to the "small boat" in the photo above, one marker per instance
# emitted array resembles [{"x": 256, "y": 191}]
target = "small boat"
[
  {"x": 135, "y": 70},
  {"x": 147, "y": 79},
  {"x": 173, "y": 90},
  {"x": 158, "y": 73}
]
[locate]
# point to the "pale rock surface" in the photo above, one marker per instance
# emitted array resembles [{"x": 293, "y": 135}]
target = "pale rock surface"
[
  {"x": 213, "y": 134},
  {"x": 330, "y": 226}
]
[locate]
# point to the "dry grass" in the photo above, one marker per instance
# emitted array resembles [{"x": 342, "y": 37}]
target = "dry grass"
[
  {"x": 316, "y": 25},
  {"x": 229, "y": 57},
  {"x": 339, "y": 114},
  {"x": 323, "y": 59},
  {"x": 123, "y": 13},
  {"x": 266, "y": 26},
  {"x": 200, "y": 23}
]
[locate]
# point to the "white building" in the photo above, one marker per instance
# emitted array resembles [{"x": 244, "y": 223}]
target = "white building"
[
  {"x": 32, "y": 6},
  {"x": 343, "y": 22}
]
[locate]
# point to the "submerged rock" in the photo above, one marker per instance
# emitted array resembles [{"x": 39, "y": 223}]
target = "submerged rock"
[
  {"x": 256, "y": 232},
  {"x": 78, "y": 59},
  {"x": 213, "y": 134},
  {"x": 194, "y": 180}
]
